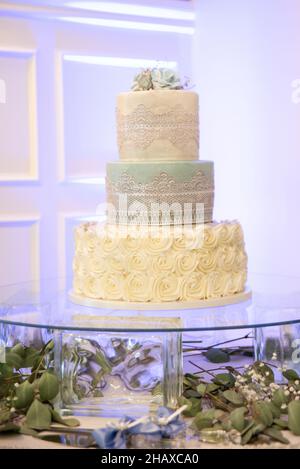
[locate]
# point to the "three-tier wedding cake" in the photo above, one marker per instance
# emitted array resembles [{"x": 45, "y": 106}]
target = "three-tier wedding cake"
[{"x": 159, "y": 243}]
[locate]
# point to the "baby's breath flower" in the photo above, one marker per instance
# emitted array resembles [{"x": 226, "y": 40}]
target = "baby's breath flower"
[
  {"x": 287, "y": 392},
  {"x": 283, "y": 406},
  {"x": 12, "y": 409},
  {"x": 16, "y": 385}
]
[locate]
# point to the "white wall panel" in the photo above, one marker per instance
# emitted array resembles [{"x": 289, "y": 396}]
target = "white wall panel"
[
  {"x": 19, "y": 241},
  {"x": 18, "y": 123}
]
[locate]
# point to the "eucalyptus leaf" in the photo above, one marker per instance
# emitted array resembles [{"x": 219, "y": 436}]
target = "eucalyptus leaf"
[
  {"x": 275, "y": 435},
  {"x": 281, "y": 423},
  {"x": 233, "y": 397},
  {"x": 191, "y": 393},
  {"x": 279, "y": 398},
  {"x": 212, "y": 413},
  {"x": 190, "y": 380},
  {"x": 224, "y": 379},
  {"x": 30, "y": 357},
  {"x": 247, "y": 436},
  {"x": 38, "y": 416},
  {"x": 24, "y": 394},
  {"x": 6, "y": 371},
  {"x": 294, "y": 417},
  {"x": 212, "y": 387},
  {"x": 4, "y": 416},
  {"x": 69, "y": 422},
  {"x": 237, "y": 418},
  {"x": 276, "y": 411},
  {"x": 265, "y": 371},
  {"x": 193, "y": 406},
  {"x": 18, "y": 349},
  {"x": 9, "y": 427},
  {"x": 15, "y": 360},
  {"x": 201, "y": 389},
  {"x": 48, "y": 386},
  {"x": 27, "y": 431},
  {"x": 215, "y": 355},
  {"x": 250, "y": 424},
  {"x": 262, "y": 413},
  {"x": 290, "y": 375},
  {"x": 200, "y": 424}
]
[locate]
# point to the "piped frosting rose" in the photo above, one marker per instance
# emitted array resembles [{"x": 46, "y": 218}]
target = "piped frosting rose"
[
  {"x": 194, "y": 287},
  {"x": 207, "y": 260},
  {"x": 130, "y": 243},
  {"x": 185, "y": 263},
  {"x": 92, "y": 287},
  {"x": 166, "y": 287},
  {"x": 137, "y": 261},
  {"x": 157, "y": 245},
  {"x": 163, "y": 263},
  {"x": 137, "y": 287},
  {"x": 112, "y": 286}
]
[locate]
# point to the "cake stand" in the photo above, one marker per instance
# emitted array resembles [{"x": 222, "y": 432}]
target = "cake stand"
[{"x": 113, "y": 362}]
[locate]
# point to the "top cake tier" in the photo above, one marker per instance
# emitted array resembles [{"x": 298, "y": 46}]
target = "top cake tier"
[{"x": 158, "y": 125}]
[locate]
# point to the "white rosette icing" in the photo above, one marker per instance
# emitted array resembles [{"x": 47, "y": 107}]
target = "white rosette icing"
[
  {"x": 156, "y": 245},
  {"x": 163, "y": 263},
  {"x": 90, "y": 240},
  {"x": 217, "y": 283},
  {"x": 137, "y": 261},
  {"x": 146, "y": 267},
  {"x": 92, "y": 287},
  {"x": 227, "y": 258},
  {"x": 137, "y": 287},
  {"x": 80, "y": 265},
  {"x": 210, "y": 238},
  {"x": 78, "y": 284},
  {"x": 186, "y": 239},
  {"x": 112, "y": 286},
  {"x": 237, "y": 235},
  {"x": 115, "y": 263},
  {"x": 96, "y": 266},
  {"x": 194, "y": 287},
  {"x": 130, "y": 243},
  {"x": 223, "y": 233},
  {"x": 185, "y": 262},
  {"x": 241, "y": 260},
  {"x": 166, "y": 287},
  {"x": 207, "y": 260}
]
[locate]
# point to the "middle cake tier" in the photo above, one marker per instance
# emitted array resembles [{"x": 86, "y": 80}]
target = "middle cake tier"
[{"x": 176, "y": 192}]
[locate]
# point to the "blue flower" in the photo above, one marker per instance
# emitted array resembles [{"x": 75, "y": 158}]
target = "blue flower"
[{"x": 110, "y": 438}]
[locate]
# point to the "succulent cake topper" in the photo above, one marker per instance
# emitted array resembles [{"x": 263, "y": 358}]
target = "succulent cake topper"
[{"x": 157, "y": 79}]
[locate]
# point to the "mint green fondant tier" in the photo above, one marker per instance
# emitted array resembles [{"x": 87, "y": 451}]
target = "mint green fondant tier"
[{"x": 160, "y": 193}]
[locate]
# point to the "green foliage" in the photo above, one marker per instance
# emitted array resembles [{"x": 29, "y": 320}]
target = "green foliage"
[
  {"x": 216, "y": 355},
  {"x": 248, "y": 403},
  {"x": 294, "y": 417},
  {"x": 26, "y": 397}
]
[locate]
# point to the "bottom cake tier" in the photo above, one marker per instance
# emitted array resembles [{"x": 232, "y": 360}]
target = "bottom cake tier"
[{"x": 138, "y": 264}]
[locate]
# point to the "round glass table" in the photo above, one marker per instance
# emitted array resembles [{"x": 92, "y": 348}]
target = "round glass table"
[{"x": 111, "y": 360}]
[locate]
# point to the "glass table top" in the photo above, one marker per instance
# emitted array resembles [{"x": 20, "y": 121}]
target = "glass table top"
[{"x": 45, "y": 304}]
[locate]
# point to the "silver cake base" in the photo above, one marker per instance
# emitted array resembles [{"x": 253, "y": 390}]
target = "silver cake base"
[{"x": 170, "y": 305}]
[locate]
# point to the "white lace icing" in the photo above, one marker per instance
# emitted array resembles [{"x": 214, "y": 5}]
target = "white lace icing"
[
  {"x": 199, "y": 189},
  {"x": 202, "y": 262}
]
